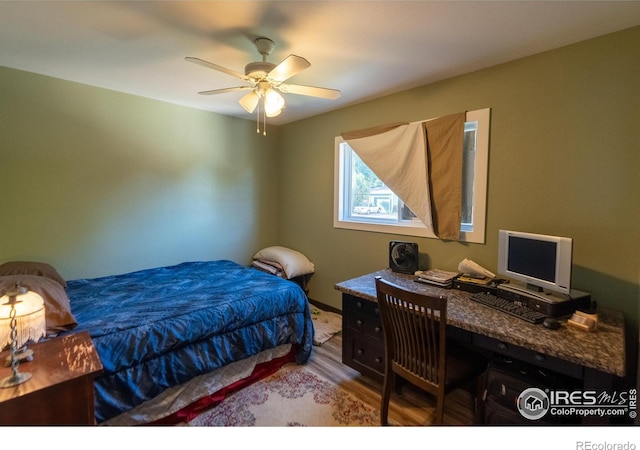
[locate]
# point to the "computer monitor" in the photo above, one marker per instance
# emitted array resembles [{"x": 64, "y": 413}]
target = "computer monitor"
[{"x": 541, "y": 261}]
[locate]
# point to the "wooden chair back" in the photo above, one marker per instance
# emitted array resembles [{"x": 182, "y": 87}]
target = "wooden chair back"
[{"x": 414, "y": 327}]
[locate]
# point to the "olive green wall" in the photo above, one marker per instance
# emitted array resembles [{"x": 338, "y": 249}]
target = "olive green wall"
[
  {"x": 564, "y": 159},
  {"x": 98, "y": 182}
]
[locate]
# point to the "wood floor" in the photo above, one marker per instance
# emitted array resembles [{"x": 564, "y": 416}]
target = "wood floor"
[{"x": 411, "y": 408}]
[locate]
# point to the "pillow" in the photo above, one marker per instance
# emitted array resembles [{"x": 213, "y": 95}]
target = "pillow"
[
  {"x": 57, "y": 307},
  {"x": 293, "y": 263},
  {"x": 32, "y": 268}
]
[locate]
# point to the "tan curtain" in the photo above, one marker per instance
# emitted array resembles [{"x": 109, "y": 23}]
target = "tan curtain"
[
  {"x": 445, "y": 141},
  {"x": 368, "y": 132},
  {"x": 422, "y": 164},
  {"x": 397, "y": 155}
]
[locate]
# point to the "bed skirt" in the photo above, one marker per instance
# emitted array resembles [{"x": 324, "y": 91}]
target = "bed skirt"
[{"x": 182, "y": 403}]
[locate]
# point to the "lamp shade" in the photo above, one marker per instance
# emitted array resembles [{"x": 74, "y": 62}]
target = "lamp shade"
[{"x": 30, "y": 317}]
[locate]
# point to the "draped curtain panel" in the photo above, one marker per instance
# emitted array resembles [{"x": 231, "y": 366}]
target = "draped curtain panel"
[
  {"x": 397, "y": 155},
  {"x": 445, "y": 141},
  {"x": 422, "y": 164}
]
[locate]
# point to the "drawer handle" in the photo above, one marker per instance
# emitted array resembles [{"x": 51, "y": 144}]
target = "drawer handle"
[
  {"x": 376, "y": 310},
  {"x": 377, "y": 329},
  {"x": 502, "y": 346},
  {"x": 360, "y": 351},
  {"x": 358, "y": 304},
  {"x": 359, "y": 322},
  {"x": 378, "y": 360},
  {"x": 540, "y": 358}
]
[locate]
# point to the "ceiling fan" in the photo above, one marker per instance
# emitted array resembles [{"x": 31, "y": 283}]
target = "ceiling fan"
[{"x": 266, "y": 79}]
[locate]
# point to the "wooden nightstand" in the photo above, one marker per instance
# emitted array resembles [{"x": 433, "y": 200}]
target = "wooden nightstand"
[{"x": 60, "y": 391}]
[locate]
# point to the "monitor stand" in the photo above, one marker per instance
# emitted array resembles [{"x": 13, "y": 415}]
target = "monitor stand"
[
  {"x": 533, "y": 292},
  {"x": 553, "y": 304},
  {"x": 534, "y": 288}
]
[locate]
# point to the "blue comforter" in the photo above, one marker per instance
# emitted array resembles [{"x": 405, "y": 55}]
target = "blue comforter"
[{"x": 160, "y": 327}]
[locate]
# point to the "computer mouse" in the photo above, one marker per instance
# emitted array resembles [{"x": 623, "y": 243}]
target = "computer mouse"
[{"x": 551, "y": 323}]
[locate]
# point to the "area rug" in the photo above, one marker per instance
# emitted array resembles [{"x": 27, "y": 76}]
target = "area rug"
[
  {"x": 293, "y": 397},
  {"x": 325, "y": 325}
]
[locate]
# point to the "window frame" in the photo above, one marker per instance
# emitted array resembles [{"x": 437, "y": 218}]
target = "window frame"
[{"x": 417, "y": 228}]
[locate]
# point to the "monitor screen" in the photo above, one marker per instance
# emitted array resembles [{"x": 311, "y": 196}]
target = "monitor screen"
[
  {"x": 532, "y": 257},
  {"x": 540, "y": 261}
]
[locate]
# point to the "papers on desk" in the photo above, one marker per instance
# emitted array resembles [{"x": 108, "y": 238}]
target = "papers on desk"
[
  {"x": 483, "y": 281},
  {"x": 469, "y": 267},
  {"x": 436, "y": 277}
]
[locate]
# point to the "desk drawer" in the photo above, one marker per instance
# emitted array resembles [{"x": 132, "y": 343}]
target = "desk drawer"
[
  {"x": 356, "y": 304},
  {"x": 363, "y": 316},
  {"x": 364, "y": 354},
  {"x": 529, "y": 356},
  {"x": 365, "y": 324}
]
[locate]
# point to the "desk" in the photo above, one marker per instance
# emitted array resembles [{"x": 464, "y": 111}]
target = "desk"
[{"x": 595, "y": 358}]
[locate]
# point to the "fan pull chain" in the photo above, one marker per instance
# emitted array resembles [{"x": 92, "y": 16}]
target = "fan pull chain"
[
  {"x": 264, "y": 121},
  {"x": 258, "y": 119}
]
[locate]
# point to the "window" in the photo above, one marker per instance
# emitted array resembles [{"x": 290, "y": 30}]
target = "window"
[{"x": 363, "y": 202}]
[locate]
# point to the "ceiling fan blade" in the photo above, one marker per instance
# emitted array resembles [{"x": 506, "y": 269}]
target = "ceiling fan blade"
[
  {"x": 312, "y": 91},
  {"x": 288, "y": 67},
  {"x": 213, "y": 66},
  {"x": 250, "y": 101},
  {"x": 225, "y": 90}
]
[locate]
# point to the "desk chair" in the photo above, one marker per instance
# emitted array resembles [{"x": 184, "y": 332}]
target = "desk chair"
[{"x": 414, "y": 328}]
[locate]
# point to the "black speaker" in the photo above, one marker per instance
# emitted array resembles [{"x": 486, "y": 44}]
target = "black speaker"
[{"x": 403, "y": 257}]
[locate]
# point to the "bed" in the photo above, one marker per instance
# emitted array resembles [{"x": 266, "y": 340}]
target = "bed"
[{"x": 158, "y": 328}]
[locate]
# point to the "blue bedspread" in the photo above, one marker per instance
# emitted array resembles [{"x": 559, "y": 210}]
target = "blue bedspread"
[{"x": 160, "y": 327}]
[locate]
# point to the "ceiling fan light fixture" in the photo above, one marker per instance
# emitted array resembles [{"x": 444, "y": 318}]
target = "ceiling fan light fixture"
[
  {"x": 274, "y": 113},
  {"x": 273, "y": 103},
  {"x": 250, "y": 101}
]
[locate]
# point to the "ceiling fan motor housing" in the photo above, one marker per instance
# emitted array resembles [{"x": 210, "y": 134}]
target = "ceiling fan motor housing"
[{"x": 258, "y": 70}]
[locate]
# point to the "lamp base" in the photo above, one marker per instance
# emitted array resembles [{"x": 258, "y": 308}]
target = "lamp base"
[
  {"x": 15, "y": 379},
  {"x": 23, "y": 355}
]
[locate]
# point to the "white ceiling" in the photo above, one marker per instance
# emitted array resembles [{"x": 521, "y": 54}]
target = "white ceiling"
[{"x": 366, "y": 49}]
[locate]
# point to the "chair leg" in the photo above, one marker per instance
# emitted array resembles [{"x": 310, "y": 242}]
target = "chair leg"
[
  {"x": 439, "y": 410},
  {"x": 387, "y": 385}
]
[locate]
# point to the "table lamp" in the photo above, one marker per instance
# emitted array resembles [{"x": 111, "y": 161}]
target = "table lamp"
[{"x": 22, "y": 319}]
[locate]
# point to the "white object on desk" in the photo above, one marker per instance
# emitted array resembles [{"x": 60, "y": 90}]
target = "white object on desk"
[{"x": 467, "y": 266}]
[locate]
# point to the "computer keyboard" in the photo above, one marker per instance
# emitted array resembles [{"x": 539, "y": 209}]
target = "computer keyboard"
[{"x": 509, "y": 307}]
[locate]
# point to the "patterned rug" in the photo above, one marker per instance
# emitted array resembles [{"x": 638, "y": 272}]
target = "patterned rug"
[{"x": 293, "y": 397}]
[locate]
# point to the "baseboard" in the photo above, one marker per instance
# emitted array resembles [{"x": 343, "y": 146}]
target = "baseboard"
[{"x": 325, "y": 307}]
